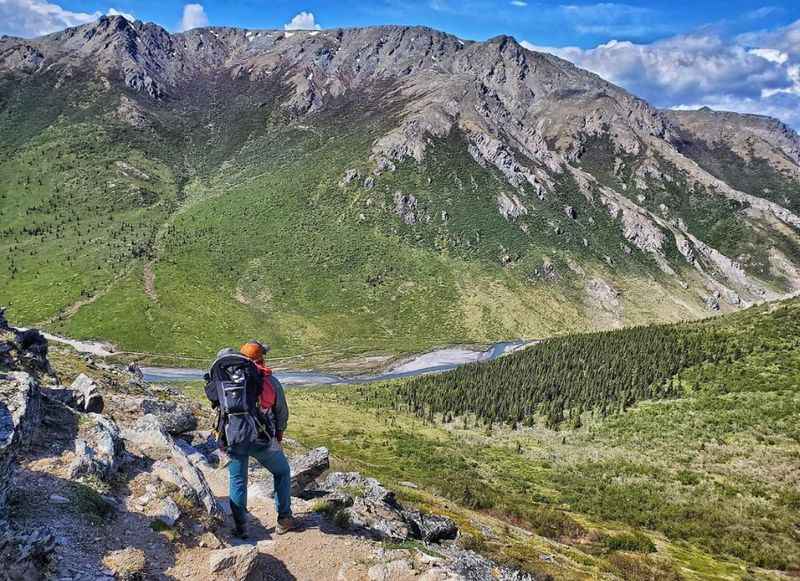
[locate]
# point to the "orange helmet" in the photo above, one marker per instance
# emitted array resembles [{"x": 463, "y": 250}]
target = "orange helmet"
[{"x": 253, "y": 350}]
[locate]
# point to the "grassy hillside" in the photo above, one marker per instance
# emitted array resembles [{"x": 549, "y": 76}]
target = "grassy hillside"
[
  {"x": 213, "y": 223},
  {"x": 701, "y": 484}
]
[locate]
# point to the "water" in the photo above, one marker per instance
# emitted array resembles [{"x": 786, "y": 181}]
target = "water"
[{"x": 432, "y": 362}]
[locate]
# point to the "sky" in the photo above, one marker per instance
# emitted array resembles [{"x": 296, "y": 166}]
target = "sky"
[{"x": 739, "y": 55}]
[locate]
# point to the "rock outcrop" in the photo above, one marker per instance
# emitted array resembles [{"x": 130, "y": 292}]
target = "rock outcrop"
[
  {"x": 369, "y": 508},
  {"x": 306, "y": 468},
  {"x": 175, "y": 463},
  {"x": 20, "y": 414},
  {"x": 98, "y": 449}
]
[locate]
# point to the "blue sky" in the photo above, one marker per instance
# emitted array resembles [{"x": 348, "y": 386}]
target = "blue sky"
[{"x": 742, "y": 55}]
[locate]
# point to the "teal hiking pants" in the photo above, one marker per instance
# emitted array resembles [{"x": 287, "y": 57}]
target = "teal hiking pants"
[{"x": 274, "y": 460}]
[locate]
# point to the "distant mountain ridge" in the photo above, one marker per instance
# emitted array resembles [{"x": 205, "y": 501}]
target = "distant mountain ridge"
[{"x": 515, "y": 191}]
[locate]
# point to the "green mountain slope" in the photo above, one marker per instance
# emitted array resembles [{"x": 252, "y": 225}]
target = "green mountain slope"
[
  {"x": 172, "y": 193},
  {"x": 698, "y": 481}
]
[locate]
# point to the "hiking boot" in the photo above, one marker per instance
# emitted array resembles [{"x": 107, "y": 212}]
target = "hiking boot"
[
  {"x": 240, "y": 531},
  {"x": 286, "y": 524}
]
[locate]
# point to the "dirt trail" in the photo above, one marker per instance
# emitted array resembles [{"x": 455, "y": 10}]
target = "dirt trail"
[
  {"x": 150, "y": 281},
  {"x": 318, "y": 551}
]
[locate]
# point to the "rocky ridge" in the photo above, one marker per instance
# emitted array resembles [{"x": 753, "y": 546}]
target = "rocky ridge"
[{"x": 530, "y": 116}]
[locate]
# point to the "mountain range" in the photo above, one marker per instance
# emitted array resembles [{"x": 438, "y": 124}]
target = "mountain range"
[{"x": 383, "y": 188}]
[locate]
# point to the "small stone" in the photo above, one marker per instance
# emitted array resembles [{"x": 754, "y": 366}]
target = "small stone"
[
  {"x": 210, "y": 540},
  {"x": 58, "y": 499},
  {"x": 168, "y": 512},
  {"x": 235, "y": 563},
  {"x": 128, "y": 563}
]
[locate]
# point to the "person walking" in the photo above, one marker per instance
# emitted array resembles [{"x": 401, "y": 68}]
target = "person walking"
[{"x": 253, "y": 416}]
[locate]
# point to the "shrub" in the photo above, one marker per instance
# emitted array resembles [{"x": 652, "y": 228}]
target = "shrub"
[{"x": 635, "y": 542}]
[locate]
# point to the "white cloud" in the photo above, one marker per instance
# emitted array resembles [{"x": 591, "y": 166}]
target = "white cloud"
[
  {"x": 770, "y": 54},
  {"x": 115, "y": 12},
  {"x": 611, "y": 18},
  {"x": 762, "y": 12},
  {"x": 194, "y": 16},
  {"x": 519, "y": 3},
  {"x": 757, "y": 72},
  {"x": 37, "y": 17},
  {"x": 303, "y": 21}
]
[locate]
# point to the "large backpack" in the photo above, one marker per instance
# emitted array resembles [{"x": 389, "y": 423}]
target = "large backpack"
[{"x": 234, "y": 385}]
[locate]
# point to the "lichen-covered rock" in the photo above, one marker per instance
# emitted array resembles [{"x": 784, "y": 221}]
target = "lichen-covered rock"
[
  {"x": 174, "y": 418},
  {"x": 167, "y": 512},
  {"x": 98, "y": 449},
  {"x": 20, "y": 415},
  {"x": 430, "y": 528},
  {"x": 176, "y": 463},
  {"x": 405, "y": 206},
  {"x": 470, "y": 566},
  {"x": 370, "y": 508}
]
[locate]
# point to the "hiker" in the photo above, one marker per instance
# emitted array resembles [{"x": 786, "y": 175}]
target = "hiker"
[{"x": 252, "y": 417}]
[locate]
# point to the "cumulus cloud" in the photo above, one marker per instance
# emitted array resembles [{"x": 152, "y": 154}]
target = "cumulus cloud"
[
  {"x": 752, "y": 73},
  {"x": 519, "y": 3},
  {"x": 194, "y": 16},
  {"x": 303, "y": 21},
  {"x": 115, "y": 12},
  {"x": 28, "y": 18},
  {"x": 36, "y": 17}
]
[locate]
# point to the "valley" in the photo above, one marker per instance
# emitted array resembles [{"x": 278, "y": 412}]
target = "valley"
[{"x": 175, "y": 192}]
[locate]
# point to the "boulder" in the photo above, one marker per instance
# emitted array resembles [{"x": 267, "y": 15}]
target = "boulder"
[
  {"x": 373, "y": 509},
  {"x": 177, "y": 463},
  {"x": 305, "y": 470},
  {"x": 470, "y": 566},
  {"x": 367, "y": 506},
  {"x": 175, "y": 418},
  {"x": 99, "y": 449},
  {"x": 89, "y": 398},
  {"x": 353, "y": 482},
  {"x": 20, "y": 416},
  {"x": 349, "y": 176},
  {"x": 429, "y": 527},
  {"x": 232, "y": 564},
  {"x": 32, "y": 350}
]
